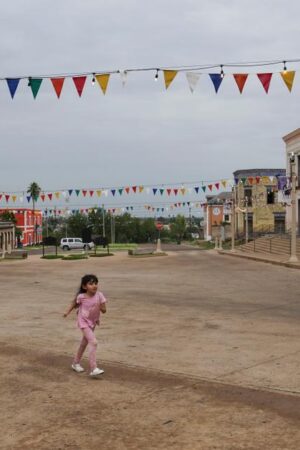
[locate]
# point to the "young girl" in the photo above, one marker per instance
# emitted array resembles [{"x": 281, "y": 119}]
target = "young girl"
[{"x": 90, "y": 303}]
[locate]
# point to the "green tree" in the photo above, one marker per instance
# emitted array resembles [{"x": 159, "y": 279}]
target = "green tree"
[
  {"x": 76, "y": 223},
  {"x": 178, "y": 228},
  {"x": 34, "y": 191}
]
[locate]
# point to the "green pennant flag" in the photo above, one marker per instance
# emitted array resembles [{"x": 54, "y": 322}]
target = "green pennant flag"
[
  {"x": 120, "y": 191},
  {"x": 243, "y": 180},
  {"x": 161, "y": 191},
  {"x": 35, "y": 84},
  {"x": 203, "y": 188},
  {"x": 77, "y": 192}
]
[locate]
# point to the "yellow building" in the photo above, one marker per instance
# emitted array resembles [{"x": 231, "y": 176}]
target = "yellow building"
[{"x": 257, "y": 203}]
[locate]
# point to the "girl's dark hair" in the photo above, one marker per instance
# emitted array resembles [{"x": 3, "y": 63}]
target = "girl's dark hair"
[{"x": 84, "y": 281}]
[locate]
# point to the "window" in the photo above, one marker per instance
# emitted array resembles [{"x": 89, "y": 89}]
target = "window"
[
  {"x": 270, "y": 196},
  {"x": 248, "y": 195},
  {"x": 226, "y": 218}
]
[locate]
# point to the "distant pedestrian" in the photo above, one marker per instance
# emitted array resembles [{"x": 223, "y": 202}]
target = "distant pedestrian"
[{"x": 90, "y": 303}]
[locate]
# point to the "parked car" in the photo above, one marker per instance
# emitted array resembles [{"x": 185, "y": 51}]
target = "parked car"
[{"x": 71, "y": 243}]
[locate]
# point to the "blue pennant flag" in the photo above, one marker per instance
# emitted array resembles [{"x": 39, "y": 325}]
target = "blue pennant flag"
[
  {"x": 196, "y": 189},
  {"x": 70, "y": 191},
  {"x": 28, "y": 198},
  {"x": 154, "y": 191},
  {"x": 217, "y": 79},
  {"x": 113, "y": 191},
  {"x": 12, "y": 85}
]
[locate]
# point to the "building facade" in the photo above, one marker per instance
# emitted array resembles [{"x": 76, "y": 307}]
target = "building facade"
[
  {"x": 292, "y": 146},
  {"x": 7, "y": 238},
  {"x": 217, "y": 211},
  {"x": 28, "y": 221},
  {"x": 257, "y": 201}
]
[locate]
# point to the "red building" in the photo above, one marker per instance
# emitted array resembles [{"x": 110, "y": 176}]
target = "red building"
[{"x": 26, "y": 222}]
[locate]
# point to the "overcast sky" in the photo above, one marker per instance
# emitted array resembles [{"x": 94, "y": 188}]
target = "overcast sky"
[{"x": 142, "y": 134}]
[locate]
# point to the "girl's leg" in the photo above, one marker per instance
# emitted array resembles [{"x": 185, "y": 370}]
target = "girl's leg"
[
  {"x": 92, "y": 341},
  {"x": 81, "y": 348}
]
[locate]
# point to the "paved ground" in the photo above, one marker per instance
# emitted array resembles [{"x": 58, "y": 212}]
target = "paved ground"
[{"x": 200, "y": 351}]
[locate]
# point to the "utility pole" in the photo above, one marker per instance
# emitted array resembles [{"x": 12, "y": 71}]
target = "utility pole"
[
  {"x": 103, "y": 221},
  {"x": 293, "y": 257},
  {"x": 232, "y": 219},
  {"x": 246, "y": 219}
]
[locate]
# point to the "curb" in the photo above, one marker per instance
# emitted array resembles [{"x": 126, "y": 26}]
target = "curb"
[{"x": 263, "y": 260}]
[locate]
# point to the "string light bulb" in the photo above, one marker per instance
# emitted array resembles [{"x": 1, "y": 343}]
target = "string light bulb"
[
  {"x": 284, "y": 67},
  {"x": 222, "y": 74},
  {"x": 29, "y": 81},
  {"x": 156, "y": 75},
  {"x": 93, "y": 79}
]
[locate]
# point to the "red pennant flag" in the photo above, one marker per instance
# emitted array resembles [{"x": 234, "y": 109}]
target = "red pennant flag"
[
  {"x": 134, "y": 189},
  {"x": 84, "y": 193},
  {"x": 175, "y": 191},
  {"x": 217, "y": 185},
  {"x": 257, "y": 180},
  {"x": 0, "y": 196},
  {"x": 210, "y": 187},
  {"x": 50, "y": 196},
  {"x": 7, "y": 197},
  {"x": 79, "y": 84},
  {"x": 265, "y": 79},
  {"x": 169, "y": 191},
  {"x": 250, "y": 180},
  {"x": 240, "y": 79},
  {"x": 58, "y": 85},
  {"x": 127, "y": 189},
  {"x": 91, "y": 193},
  {"x": 43, "y": 197}
]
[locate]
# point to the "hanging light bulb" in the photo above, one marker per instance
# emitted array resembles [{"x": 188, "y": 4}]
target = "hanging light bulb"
[
  {"x": 284, "y": 67},
  {"x": 222, "y": 74},
  {"x": 156, "y": 75},
  {"x": 93, "y": 79},
  {"x": 29, "y": 81}
]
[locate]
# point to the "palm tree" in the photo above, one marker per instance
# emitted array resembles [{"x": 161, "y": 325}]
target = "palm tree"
[{"x": 34, "y": 191}]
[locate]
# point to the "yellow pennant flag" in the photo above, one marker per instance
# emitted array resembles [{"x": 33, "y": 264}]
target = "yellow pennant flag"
[
  {"x": 141, "y": 188},
  {"x": 169, "y": 77},
  {"x": 14, "y": 197},
  {"x": 224, "y": 182},
  {"x": 265, "y": 180},
  {"x": 103, "y": 81},
  {"x": 288, "y": 78},
  {"x": 99, "y": 192},
  {"x": 56, "y": 194},
  {"x": 182, "y": 191}
]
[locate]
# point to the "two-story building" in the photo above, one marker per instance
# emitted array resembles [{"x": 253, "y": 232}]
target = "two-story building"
[
  {"x": 217, "y": 211},
  {"x": 29, "y": 222},
  {"x": 257, "y": 200}
]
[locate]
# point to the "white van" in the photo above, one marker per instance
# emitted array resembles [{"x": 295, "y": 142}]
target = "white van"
[{"x": 71, "y": 243}]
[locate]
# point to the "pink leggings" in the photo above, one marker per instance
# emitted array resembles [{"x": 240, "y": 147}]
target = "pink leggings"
[{"x": 87, "y": 338}]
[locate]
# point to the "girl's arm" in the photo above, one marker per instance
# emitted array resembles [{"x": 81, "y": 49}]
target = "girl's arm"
[
  {"x": 71, "y": 307},
  {"x": 103, "y": 308}
]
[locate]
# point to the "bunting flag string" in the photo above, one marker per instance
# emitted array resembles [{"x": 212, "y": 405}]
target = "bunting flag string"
[{"x": 192, "y": 74}]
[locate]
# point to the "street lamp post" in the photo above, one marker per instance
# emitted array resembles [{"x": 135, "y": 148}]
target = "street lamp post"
[
  {"x": 246, "y": 219},
  {"x": 232, "y": 220},
  {"x": 293, "y": 257}
]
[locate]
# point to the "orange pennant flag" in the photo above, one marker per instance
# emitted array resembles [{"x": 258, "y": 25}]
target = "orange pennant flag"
[
  {"x": 288, "y": 78},
  {"x": 103, "y": 81},
  {"x": 169, "y": 76},
  {"x": 58, "y": 85},
  {"x": 240, "y": 79}
]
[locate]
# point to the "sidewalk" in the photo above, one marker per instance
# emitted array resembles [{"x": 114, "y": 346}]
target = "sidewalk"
[{"x": 271, "y": 258}]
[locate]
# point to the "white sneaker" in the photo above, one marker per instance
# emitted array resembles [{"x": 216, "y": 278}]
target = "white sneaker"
[
  {"x": 96, "y": 371},
  {"x": 77, "y": 367}
]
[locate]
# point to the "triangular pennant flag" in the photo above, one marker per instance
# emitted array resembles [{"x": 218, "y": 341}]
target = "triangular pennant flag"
[
  {"x": 43, "y": 197},
  {"x": 196, "y": 189},
  {"x": 240, "y": 79},
  {"x": 56, "y": 194},
  {"x": 217, "y": 79},
  {"x": 7, "y": 197},
  {"x": 243, "y": 180},
  {"x": 141, "y": 188},
  {"x": 77, "y": 191},
  {"x": 127, "y": 190},
  {"x": 169, "y": 76},
  {"x": 113, "y": 191},
  {"x": 161, "y": 191},
  {"x": 12, "y": 85},
  {"x": 103, "y": 81},
  {"x": 182, "y": 190},
  {"x": 265, "y": 79},
  {"x": 1, "y": 196},
  {"x": 224, "y": 182},
  {"x": 28, "y": 198},
  {"x": 99, "y": 192},
  {"x": 120, "y": 191},
  {"x": 79, "y": 84},
  {"x": 210, "y": 186},
  {"x": 35, "y": 84},
  {"x": 154, "y": 191},
  {"x": 50, "y": 196},
  {"x": 84, "y": 193},
  {"x": 91, "y": 193},
  {"x": 133, "y": 188},
  {"x": 175, "y": 191},
  {"x": 169, "y": 191},
  {"x": 288, "y": 78},
  {"x": 217, "y": 185},
  {"x": 250, "y": 180},
  {"x": 192, "y": 79},
  {"x": 203, "y": 188},
  {"x": 70, "y": 191},
  {"x": 58, "y": 85}
]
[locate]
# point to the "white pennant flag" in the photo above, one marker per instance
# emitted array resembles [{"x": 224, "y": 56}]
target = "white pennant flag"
[
  {"x": 192, "y": 79},
  {"x": 123, "y": 74}
]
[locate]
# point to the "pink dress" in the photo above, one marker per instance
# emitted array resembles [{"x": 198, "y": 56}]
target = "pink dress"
[{"x": 88, "y": 315}]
